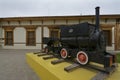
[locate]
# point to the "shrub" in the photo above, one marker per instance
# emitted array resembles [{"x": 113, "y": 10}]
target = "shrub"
[{"x": 118, "y": 57}]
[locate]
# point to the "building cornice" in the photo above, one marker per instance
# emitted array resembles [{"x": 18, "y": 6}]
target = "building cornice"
[{"x": 112, "y": 16}]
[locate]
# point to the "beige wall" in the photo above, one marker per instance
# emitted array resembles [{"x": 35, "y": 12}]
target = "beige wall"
[
  {"x": 48, "y": 22},
  {"x": 20, "y": 30},
  {"x": 73, "y": 21},
  {"x": 56, "y": 22},
  {"x": 19, "y": 35},
  {"x": 111, "y": 21},
  {"x": 60, "y": 22},
  {"x": 14, "y": 23},
  {"x": 46, "y": 32},
  {"x": 4, "y": 23},
  {"x": 38, "y": 35},
  {"x": 20, "y": 39},
  {"x": 25, "y": 22},
  {"x": 86, "y": 20},
  {"x": 36, "y": 22}
]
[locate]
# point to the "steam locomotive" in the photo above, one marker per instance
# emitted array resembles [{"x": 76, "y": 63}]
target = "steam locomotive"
[{"x": 84, "y": 42}]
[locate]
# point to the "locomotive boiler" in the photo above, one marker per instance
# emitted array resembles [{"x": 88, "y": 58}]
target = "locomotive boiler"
[{"x": 84, "y": 42}]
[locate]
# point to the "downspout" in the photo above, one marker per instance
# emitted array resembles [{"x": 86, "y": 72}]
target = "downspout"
[{"x": 0, "y": 34}]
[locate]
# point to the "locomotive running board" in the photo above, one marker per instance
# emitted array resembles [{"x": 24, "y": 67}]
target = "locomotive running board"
[
  {"x": 72, "y": 67},
  {"x": 57, "y": 61},
  {"x": 48, "y": 57}
]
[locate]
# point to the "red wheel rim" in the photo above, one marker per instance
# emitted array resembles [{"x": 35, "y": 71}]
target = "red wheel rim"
[
  {"x": 82, "y": 58},
  {"x": 63, "y": 53}
]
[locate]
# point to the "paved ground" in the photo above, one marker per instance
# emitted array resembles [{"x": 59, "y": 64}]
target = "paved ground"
[{"x": 13, "y": 65}]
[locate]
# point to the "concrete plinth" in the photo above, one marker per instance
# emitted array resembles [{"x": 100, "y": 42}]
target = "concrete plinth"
[{"x": 47, "y": 71}]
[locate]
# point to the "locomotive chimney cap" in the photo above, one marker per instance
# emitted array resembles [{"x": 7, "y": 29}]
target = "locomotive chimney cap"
[{"x": 97, "y": 7}]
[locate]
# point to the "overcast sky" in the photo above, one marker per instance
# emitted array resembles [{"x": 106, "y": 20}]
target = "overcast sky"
[{"x": 19, "y": 8}]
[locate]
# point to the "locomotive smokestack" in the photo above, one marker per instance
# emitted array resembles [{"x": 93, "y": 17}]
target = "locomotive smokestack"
[{"x": 97, "y": 18}]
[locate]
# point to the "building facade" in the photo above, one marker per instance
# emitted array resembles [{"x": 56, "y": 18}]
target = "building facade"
[{"x": 27, "y": 32}]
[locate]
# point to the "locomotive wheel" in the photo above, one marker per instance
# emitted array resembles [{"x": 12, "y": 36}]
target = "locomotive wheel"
[
  {"x": 82, "y": 58},
  {"x": 64, "y": 53}
]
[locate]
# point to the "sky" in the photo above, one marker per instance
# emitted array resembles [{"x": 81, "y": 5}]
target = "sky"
[{"x": 31, "y": 8}]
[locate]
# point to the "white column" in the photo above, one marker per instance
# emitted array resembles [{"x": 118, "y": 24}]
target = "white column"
[
  {"x": 45, "y": 33},
  {"x": 113, "y": 38},
  {"x": 38, "y": 37}
]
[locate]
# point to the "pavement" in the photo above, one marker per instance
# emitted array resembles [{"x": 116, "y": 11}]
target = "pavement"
[{"x": 13, "y": 65}]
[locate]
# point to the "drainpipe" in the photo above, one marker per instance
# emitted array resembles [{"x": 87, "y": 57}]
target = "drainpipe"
[{"x": 1, "y": 34}]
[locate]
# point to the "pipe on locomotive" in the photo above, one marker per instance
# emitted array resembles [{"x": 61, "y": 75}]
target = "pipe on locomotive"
[{"x": 97, "y": 18}]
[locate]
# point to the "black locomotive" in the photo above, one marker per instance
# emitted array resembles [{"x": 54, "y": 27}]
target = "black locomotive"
[{"x": 84, "y": 42}]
